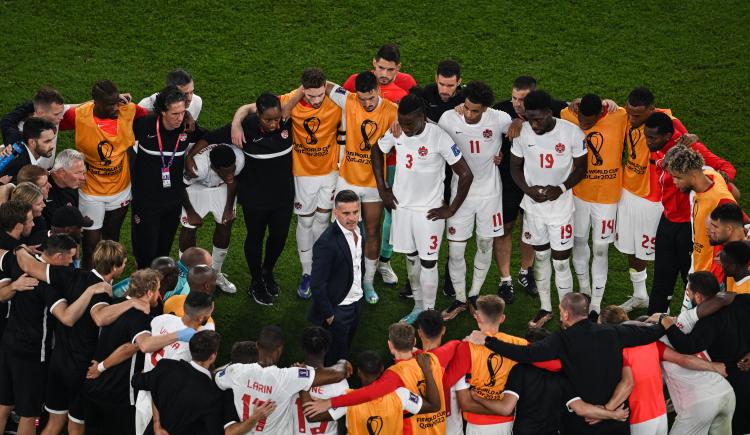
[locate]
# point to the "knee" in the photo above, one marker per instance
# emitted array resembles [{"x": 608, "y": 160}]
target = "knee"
[
  {"x": 428, "y": 264},
  {"x": 543, "y": 255},
  {"x": 601, "y": 249},
  {"x": 561, "y": 265},
  {"x": 484, "y": 244}
]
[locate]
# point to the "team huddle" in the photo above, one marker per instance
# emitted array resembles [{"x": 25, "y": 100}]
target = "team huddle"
[{"x": 395, "y": 167}]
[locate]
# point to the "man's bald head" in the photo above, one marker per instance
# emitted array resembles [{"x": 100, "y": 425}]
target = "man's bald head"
[
  {"x": 576, "y": 306},
  {"x": 202, "y": 278},
  {"x": 194, "y": 256}
]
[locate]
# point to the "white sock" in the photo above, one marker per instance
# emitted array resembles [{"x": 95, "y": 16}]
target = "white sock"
[
  {"x": 563, "y": 277},
  {"x": 305, "y": 242},
  {"x": 457, "y": 268},
  {"x": 428, "y": 278},
  {"x": 320, "y": 223},
  {"x": 543, "y": 277},
  {"x": 599, "y": 267},
  {"x": 370, "y": 267},
  {"x": 413, "y": 270},
  {"x": 581, "y": 256},
  {"x": 217, "y": 258},
  {"x": 482, "y": 262},
  {"x": 639, "y": 283}
]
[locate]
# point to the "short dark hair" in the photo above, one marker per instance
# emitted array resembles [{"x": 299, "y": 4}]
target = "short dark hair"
[
  {"x": 661, "y": 122},
  {"x": 728, "y": 213},
  {"x": 178, "y": 77},
  {"x": 313, "y": 78},
  {"x": 591, "y": 104},
  {"x": 204, "y": 344},
  {"x": 345, "y": 195},
  {"x": 411, "y": 103},
  {"x": 196, "y": 302},
  {"x": 31, "y": 173},
  {"x": 402, "y": 336},
  {"x": 222, "y": 156},
  {"x": 576, "y": 303},
  {"x": 738, "y": 252},
  {"x": 244, "y": 352},
  {"x": 47, "y": 96},
  {"x": 641, "y": 97},
  {"x": 389, "y": 52},
  {"x": 271, "y": 337},
  {"x": 479, "y": 93},
  {"x": 523, "y": 83},
  {"x": 168, "y": 96},
  {"x": 315, "y": 340},
  {"x": 491, "y": 306},
  {"x": 449, "y": 68},
  {"x": 370, "y": 363},
  {"x": 431, "y": 323},
  {"x": 536, "y": 334},
  {"x": 365, "y": 82},
  {"x": 59, "y": 244},
  {"x": 33, "y": 128},
  {"x": 266, "y": 101},
  {"x": 537, "y": 100},
  {"x": 103, "y": 89},
  {"x": 703, "y": 282},
  {"x": 12, "y": 213}
]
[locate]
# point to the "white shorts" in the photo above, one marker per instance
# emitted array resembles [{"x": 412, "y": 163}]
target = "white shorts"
[
  {"x": 366, "y": 194},
  {"x": 540, "y": 230},
  {"x": 490, "y": 429},
  {"x": 411, "y": 231},
  {"x": 312, "y": 193},
  {"x": 206, "y": 200},
  {"x": 637, "y": 220},
  {"x": 601, "y": 218},
  {"x": 95, "y": 206},
  {"x": 713, "y": 415},
  {"x": 488, "y": 214},
  {"x": 655, "y": 426}
]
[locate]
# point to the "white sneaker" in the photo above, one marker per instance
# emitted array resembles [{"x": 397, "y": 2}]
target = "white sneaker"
[
  {"x": 225, "y": 285},
  {"x": 634, "y": 303},
  {"x": 386, "y": 272}
]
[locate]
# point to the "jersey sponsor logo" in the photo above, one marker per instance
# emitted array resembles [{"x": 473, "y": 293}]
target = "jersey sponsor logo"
[
  {"x": 104, "y": 149},
  {"x": 303, "y": 373},
  {"x": 494, "y": 363},
  {"x": 368, "y": 129},
  {"x": 413, "y": 398},
  {"x": 487, "y": 133},
  {"x": 451, "y": 230},
  {"x": 632, "y": 139},
  {"x": 560, "y": 148},
  {"x": 456, "y": 150},
  {"x": 311, "y": 126},
  {"x": 340, "y": 90},
  {"x": 374, "y": 425},
  {"x": 182, "y": 137},
  {"x": 422, "y": 151},
  {"x": 458, "y": 132},
  {"x": 595, "y": 142},
  {"x": 284, "y": 134}
]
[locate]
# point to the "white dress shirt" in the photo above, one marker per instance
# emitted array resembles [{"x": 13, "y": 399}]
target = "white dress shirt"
[{"x": 355, "y": 248}]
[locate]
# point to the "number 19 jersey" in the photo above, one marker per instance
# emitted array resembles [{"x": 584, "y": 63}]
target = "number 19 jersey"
[{"x": 548, "y": 161}]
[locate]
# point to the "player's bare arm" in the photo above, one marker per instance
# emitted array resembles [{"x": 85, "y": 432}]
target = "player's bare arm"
[
  {"x": 431, "y": 399},
  {"x": 504, "y": 406},
  {"x": 576, "y": 175},
  {"x": 68, "y": 315},
  {"x": 465, "y": 178},
  {"x": 516, "y": 172},
  {"x": 386, "y": 193},
  {"x": 330, "y": 375},
  {"x": 8, "y": 288},
  {"x": 120, "y": 355},
  {"x": 103, "y": 314}
]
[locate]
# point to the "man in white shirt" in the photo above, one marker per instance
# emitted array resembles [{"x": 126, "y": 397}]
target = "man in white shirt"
[
  {"x": 184, "y": 81},
  {"x": 548, "y": 158}
]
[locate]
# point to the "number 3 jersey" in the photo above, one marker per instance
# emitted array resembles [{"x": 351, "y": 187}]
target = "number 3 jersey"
[
  {"x": 303, "y": 427},
  {"x": 179, "y": 350},
  {"x": 548, "y": 161}
]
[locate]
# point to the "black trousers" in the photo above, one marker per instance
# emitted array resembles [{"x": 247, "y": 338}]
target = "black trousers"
[
  {"x": 153, "y": 232},
  {"x": 674, "y": 244},
  {"x": 276, "y": 221},
  {"x": 345, "y": 321}
]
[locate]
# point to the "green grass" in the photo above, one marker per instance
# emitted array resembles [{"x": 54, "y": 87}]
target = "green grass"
[{"x": 693, "y": 55}]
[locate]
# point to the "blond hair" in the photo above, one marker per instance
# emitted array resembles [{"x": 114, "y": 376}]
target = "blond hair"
[
  {"x": 491, "y": 307},
  {"x": 402, "y": 336},
  {"x": 26, "y": 192},
  {"x": 143, "y": 281}
]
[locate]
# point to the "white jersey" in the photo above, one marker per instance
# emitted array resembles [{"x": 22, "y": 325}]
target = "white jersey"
[
  {"x": 687, "y": 387},
  {"x": 420, "y": 166},
  {"x": 548, "y": 161},
  {"x": 479, "y": 144},
  {"x": 207, "y": 177},
  {"x": 179, "y": 350},
  {"x": 303, "y": 427},
  {"x": 196, "y": 104},
  {"x": 253, "y": 385},
  {"x": 454, "y": 422}
]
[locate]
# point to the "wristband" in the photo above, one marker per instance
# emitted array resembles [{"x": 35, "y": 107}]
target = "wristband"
[
  {"x": 100, "y": 367},
  {"x": 562, "y": 187}
]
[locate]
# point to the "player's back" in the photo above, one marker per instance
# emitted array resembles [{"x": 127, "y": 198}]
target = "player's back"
[
  {"x": 413, "y": 379},
  {"x": 383, "y": 415},
  {"x": 179, "y": 350},
  {"x": 300, "y": 424},
  {"x": 647, "y": 398}
]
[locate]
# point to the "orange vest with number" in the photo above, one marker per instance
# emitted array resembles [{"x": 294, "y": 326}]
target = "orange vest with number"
[
  {"x": 413, "y": 379},
  {"x": 703, "y": 204},
  {"x": 383, "y": 416},
  {"x": 107, "y": 166}
]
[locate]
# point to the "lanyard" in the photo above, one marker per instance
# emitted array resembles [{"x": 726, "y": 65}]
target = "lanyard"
[{"x": 161, "y": 148}]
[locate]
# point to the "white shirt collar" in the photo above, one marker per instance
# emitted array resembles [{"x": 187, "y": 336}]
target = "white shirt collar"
[
  {"x": 200, "y": 369},
  {"x": 31, "y": 156},
  {"x": 99, "y": 275},
  {"x": 346, "y": 231}
]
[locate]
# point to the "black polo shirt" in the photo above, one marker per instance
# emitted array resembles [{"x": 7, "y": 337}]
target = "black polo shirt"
[
  {"x": 8, "y": 243},
  {"x": 58, "y": 197},
  {"x": 436, "y": 106},
  {"x": 39, "y": 233},
  {"x": 541, "y": 397},
  {"x": 266, "y": 182},
  {"x": 149, "y": 194}
]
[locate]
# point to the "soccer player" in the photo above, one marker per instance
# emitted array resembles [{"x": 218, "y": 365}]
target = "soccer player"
[
  {"x": 478, "y": 134},
  {"x": 392, "y": 83},
  {"x": 201, "y": 279},
  {"x": 548, "y": 159},
  {"x": 39, "y": 141},
  {"x": 596, "y": 196},
  {"x": 416, "y": 200},
  {"x": 367, "y": 118},
  {"x": 726, "y": 224},
  {"x": 734, "y": 259},
  {"x": 255, "y": 384},
  {"x": 183, "y": 80},
  {"x": 213, "y": 190}
]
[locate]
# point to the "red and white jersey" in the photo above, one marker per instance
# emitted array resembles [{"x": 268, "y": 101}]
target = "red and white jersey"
[
  {"x": 480, "y": 143},
  {"x": 205, "y": 175},
  {"x": 548, "y": 161},
  {"x": 303, "y": 427},
  {"x": 454, "y": 421},
  {"x": 179, "y": 350},
  {"x": 253, "y": 385},
  {"x": 420, "y": 166}
]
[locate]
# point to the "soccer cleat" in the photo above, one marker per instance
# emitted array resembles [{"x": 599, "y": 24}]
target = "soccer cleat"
[
  {"x": 411, "y": 317},
  {"x": 303, "y": 290},
  {"x": 406, "y": 292},
  {"x": 505, "y": 291},
  {"x": 271, "y": 286},
  {"x": 259, "y": 293},
  {"x": 454, "y": 310},
  {"x": 370, "y": 295},
  {"x": 542, "y": 317},
  {"x": 224, "y": 284},
  {"x": 634, "y": 303},
  {"x": 448, "y": 289},
  {"x": 386, "y": 272},
  {"x": 528, "y": 282}
]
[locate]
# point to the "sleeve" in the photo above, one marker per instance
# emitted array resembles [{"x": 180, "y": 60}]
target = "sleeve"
[
  {"x": 626, "y": 358},
  {"x": 518, "y": 143},
  {"x": 51, "y": 296},
  {"x": 226, "y": 378},
  {"x": 349, "y": 83},
  {"x": 504, "y": 120},
  {"x": 138, "y": 325},
  {"x": 148, "y": 102},
  {"x": 697, "y": 340},
  {"x": 336, "y": 390},
  {"x": 411, "y": 402},
  {"x": 387, "y": 383},
  {"x": 568, "y": 392},
  {"x": 687, "y": 319},
  {"x": 543, "y": 350},
  {"x": 230, "y": 411},
  {"x": 679, "y": 127},
  {"x": 69, "y": 120},
  {"x": 146, "y": 380},
  {"x": 406, "y": 80},
  {"x": 99, "y": 299},
  {"x": 445, "y": 120},
  {"x": 296, "y": 379},
  {"x": 387, "y": 142},
  {"x": 462, "y": 384},
  {"x": 446, "y": 352},
  {"x": 338, "y": 95},
  {"x": 514, "y": 384},
  {"x": 458, "y": 368},
  {"x": 7, "y": 262},
  {"x": 220, "y": 135},
  {"x": 9, "y": 122},
  {"x": 578, "y": 142},
  {"x": 634, "y": 335},
  {"x": 140, "y": 112},
  {"x": 660, "y": 346},
  {"x": 239, "y": 160},
  {"x": 553, "y": 365},
  {"x": 448, "y": 149},
  {"x": 715, "y": 161},
  {"x": 322, "y": 267},
  {"x": 57, "y": 275}
]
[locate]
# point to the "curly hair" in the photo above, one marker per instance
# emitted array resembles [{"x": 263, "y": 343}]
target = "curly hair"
[{"x": 682, "y": 160}]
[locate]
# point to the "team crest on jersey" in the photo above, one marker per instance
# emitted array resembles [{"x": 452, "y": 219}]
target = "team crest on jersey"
[
  {"x": 303, "y": 373},
  {"x": 284, "y": 134},
  {"x": 451, "y": 230},
  {"x": 298, "y": 205},
  {"x": 413, "y": 398},
  {"x": 422, "y": 151},
  {"x": 487, "y": 133},
  {"x": 560, "y": 148},
  {"x": 182, "y": 137},
  {"x": 340, "y": 90},
  {"x": 456, "y": 150},
  {"x": 527, "y": 235}
]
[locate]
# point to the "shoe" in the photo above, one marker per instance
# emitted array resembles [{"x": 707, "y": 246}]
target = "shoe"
[
  {"x": 259, "y": 293},
  {"x": 271, "y": 286},
  {"x": 448, "y": 289},
  {"x": 542, "y": 317},
  {"x": 471, "y": 303},
  {"x": 370, "y": 295},
  {"x": 634, "y": 303},
  {"x": 528, "y": 282},
  {"x": 386, "y": 272},
  {"x": 411, "y": 317},
  {"x": 303, "y": 290},
  {"x": 594, "y": 316},
  {"x": 406, "y": 292},
  {"x": 506, "y": 292},
  {"x": 453, "y": 310},
  {"x": 224, "y": 284}
]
